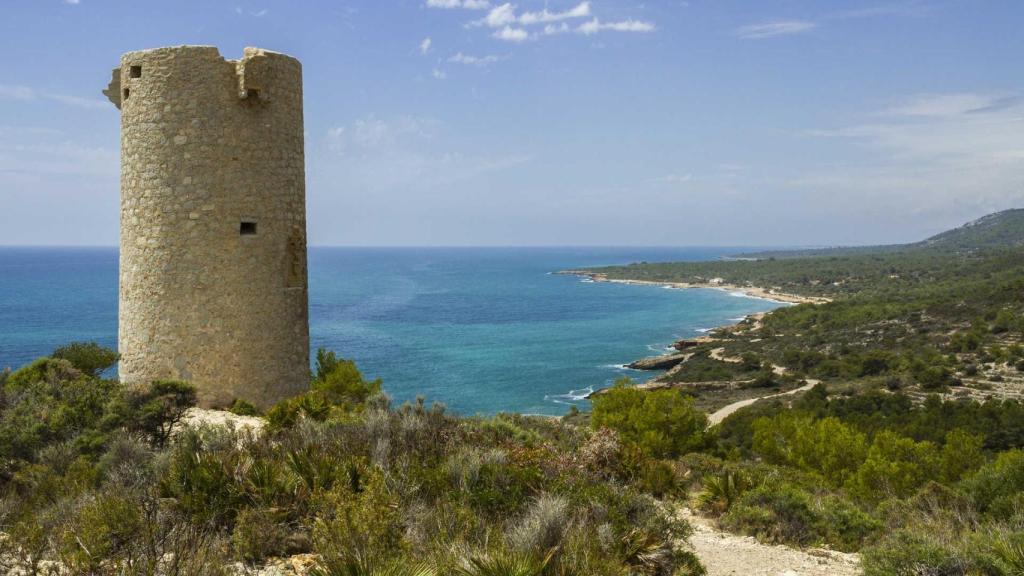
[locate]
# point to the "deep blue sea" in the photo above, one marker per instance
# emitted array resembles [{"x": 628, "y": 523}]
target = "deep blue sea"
[{"x": 480, "y": 329}]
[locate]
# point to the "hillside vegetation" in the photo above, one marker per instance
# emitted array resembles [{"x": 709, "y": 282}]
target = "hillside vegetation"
[
  {"x": 909, "y": 451},
  {"x": 99, "y": 479},
  {"x": 916, "y": 428},
  {"x": 998, "y": 230}
]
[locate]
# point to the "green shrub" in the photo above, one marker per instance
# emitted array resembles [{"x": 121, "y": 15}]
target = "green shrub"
[
  {"x": 663, "y": 423},
  {"x": 543, "y": 526},
  {"x": 50, "y": 402},
  {"x": 159, "y": 407},
  {"x": 778, "y": 514},
  {"x": 914, "y": 551},
  {"x": 341, "y": 381},
  {"x": 258, "y": 534},
  {"x": 996, "y": 489},
  {"x": 826, "y": 447},
  {"x": 89, "y": 357},
  {"x": 786, "y": 514},
  {"x": 657, "y": 477},
  {"x": 847, "y": 527},
  {"x": 895, "y": 467},
  {"x": 98, "y": 531},
  {"x": 243, "y": 408},
  {"x": 722, "y": 490},
  {"x": 361, "y": 527}
]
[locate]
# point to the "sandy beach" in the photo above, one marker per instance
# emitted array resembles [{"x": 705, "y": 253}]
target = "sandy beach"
[{"x": 749, "y": 291}]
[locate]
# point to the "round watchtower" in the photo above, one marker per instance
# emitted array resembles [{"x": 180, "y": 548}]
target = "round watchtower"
[{"x": 213, "y": 223}]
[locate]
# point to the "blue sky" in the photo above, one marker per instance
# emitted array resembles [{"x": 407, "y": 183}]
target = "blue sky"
[{"x": 479, "y": 122}]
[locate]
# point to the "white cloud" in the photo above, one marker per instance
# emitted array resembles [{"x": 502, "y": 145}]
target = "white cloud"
[
  {"x": 512, "y": 27},
  {"x": 33, "y": 151},
  {"x": 939, "y": 105},
  {"x": 260, "y": 13},
  {"x": 594, "y": 26},
  {"x": 934, "y": 151},
  {"x": 396, "y": 153},
  {"x": 774, "y": 28},
  {"x": 510, "y": 34},
  {"x": 17, "y": 92},
  {"x": 465, "y": 4},
  {"x": 468, "y": 59},
  {"x": 504, "y": 16},
  {"x": 499, "y": 16},
  {"x": 439, "y": 74},
  {"x": 581, "y": 10},
  {"x": 73, "y": 2},
  {"x": 425, "y": 46},
  {"x": 552, "y": 29}
]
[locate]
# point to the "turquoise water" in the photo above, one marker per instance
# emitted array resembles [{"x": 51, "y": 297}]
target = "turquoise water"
[{"x": 480, "y": 329}]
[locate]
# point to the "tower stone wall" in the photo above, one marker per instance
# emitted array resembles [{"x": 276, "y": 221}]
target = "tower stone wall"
[{"x": 213, "y": 223}]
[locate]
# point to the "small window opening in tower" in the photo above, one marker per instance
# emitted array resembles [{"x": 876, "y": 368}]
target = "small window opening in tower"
[
  {"x": 135, "y": 72},
  {"x": 126, "y": 93},
  {"x": 252, "y": 93},
  {"x": 247, "y": 228}
]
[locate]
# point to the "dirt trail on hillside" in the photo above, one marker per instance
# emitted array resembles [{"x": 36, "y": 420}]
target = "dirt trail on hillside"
[
  {"x": 725, "y": 554},
  {"x": 717, "y": 416}
]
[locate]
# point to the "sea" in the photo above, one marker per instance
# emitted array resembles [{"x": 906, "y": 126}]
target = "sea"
[{"x": 482, "y": 330}]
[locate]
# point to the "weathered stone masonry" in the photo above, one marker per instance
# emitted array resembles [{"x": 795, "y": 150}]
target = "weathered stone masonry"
[{"x": 213, "y": 222}]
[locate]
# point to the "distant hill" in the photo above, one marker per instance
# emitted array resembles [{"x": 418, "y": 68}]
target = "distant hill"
[{"x": 998, "y": 230}]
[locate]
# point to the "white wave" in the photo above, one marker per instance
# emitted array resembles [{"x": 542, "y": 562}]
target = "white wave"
[
  {"x": 571, "y": 396},
  {"x": 704, "y": 330}
]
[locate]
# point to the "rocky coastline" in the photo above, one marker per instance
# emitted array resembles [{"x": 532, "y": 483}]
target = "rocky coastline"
[{"x": 673, "y": 361}]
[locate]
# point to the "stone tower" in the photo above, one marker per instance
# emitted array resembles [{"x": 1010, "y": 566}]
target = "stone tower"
[{"x": 213, "y": 223}]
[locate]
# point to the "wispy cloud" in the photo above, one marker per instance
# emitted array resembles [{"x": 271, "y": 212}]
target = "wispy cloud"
[
  {"x": 581, "y": 10},
  {"x": 909, "y": 8},
  {"x": 439, "y": 74},
  {"x": 425, "y": 46},
  {"x": 773, "y": 28},
  {"x": 510, "y": 34},
  {"x": 955, "y": 104},
  {"x": 29, "y": 150},
  {"x": 453, "y": 4},
  {"x": 594, "y": 26},
  {"x": 936, "y": 150},
  {"x": 789, "y": 27},
  {"x": 256, "y": 14},
  {"x": 674, "y": 178},
  {"x": 393, "y": 153},
  {"x": 511, "y": 26},
  {"x": 18, "y": 92},
  {"x": 73, "y": 2},
  {"x": 471, "y": 60}
]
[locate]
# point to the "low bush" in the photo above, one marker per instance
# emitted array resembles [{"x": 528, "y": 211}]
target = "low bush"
[{"x": 662, "y": 423}]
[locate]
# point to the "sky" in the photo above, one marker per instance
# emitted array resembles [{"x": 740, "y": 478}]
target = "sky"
[{"x": 559, "y": 122}]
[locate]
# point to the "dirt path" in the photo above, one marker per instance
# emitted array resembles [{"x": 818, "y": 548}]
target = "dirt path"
[
  {"x": 717, "y": 416},
  {"x": 725, "y": 554}
]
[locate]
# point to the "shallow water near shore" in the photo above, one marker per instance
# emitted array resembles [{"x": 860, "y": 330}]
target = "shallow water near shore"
[{"x": 480, "y": 329}]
